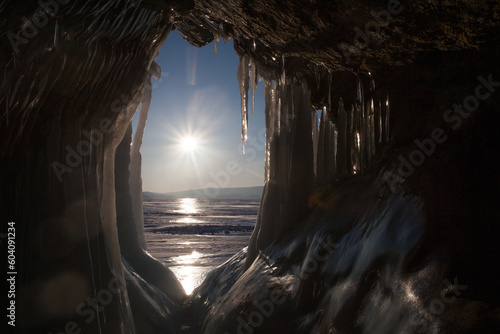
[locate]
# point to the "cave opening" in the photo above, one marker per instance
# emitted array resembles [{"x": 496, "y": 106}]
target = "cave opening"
[{"x": 200, "y": 192}]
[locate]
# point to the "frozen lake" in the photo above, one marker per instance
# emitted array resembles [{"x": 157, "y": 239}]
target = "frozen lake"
[{"x": 193, "y": 236}]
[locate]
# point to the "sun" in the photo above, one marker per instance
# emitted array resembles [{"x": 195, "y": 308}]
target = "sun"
[{"x": 188, "y": 144}]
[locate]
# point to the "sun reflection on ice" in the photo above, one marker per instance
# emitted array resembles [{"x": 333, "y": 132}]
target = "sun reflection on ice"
[
  {"x": 188, "y": 206},
  {"x": 189, "y": 275},
  {"x": 188, "y": 220},
  {"x": 188, "y": 259}
]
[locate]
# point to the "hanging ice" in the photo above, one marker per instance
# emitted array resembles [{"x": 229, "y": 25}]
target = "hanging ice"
[
  {"x": 315, "y": 139},
  {"x": 299, "y": 151},
  {"x": 386, "y": 119},
  {"x": 342, "y": 141},
  {"x": 322, "y": 158},
  {"x": 289, "y": 162},
  {"x": 243, "y": 78},
  {"x": 253, "y": 77}
]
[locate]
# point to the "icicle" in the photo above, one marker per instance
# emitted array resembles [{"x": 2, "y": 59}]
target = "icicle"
[
  {"x": 269, "y": 121},
  {"x": 254, "y": 46},
  {"x": 322, "y": 142},
  {"x": 378, "y": 124},
  {"x": 342, "y": 141},
  {"x": 359, "y": 93},
  {"x": 315, "y": 138},
  {"x": 223, "y": 32},
  {"x": 55, "y": 34},
  {"x": 253, "y": 73},
  {"x": 386, "y": 119},
  {"x": 356, "y": 140},
  {"x": 333, "y": 154},
  {"x": 243, "y": 78},
  {"x": 372, "y": 129},
  {"x": 368, "y": 131},
  {"x": 215, "y": 47},
  {"x": 362, "y": 139},
  {"x": 329, "y": 92},
  {"x": 351, "y": 138}
]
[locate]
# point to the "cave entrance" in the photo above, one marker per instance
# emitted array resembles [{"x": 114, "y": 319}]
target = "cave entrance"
[{"x": 200, "y": 192}]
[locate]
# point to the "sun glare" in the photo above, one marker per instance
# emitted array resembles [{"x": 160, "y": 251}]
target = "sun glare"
[{"x": 189, "y": 144}]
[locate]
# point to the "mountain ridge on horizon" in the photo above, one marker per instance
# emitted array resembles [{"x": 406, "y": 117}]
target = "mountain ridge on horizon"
[{"x": 254, "y": 192}]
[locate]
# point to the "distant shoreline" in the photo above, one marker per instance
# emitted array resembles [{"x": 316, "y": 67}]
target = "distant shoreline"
[{"x": 242, "y": 193}]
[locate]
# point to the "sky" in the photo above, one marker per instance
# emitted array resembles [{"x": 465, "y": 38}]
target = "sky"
[{"x": 193, "y": 132}]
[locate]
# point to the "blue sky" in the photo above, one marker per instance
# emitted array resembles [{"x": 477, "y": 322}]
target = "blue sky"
[{"x": 198, "y": 97}]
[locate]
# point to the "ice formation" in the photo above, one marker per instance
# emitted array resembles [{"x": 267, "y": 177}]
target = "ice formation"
[
  {"x": 298, "y": 154},
  {"x": 135, "y": 154},
  {"x": 243, "y": 80}
]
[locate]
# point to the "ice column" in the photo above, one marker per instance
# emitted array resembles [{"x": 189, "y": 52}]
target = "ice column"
[
  {"x": 136, "y": 158},
  {"x": 289, "y": 163}
]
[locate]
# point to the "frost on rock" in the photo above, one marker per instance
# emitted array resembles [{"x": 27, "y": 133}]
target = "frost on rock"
[{"x": 243, "y": 80}]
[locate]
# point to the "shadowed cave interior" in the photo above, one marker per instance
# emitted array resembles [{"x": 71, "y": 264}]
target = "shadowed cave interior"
[{"x": 381, "y": 220}]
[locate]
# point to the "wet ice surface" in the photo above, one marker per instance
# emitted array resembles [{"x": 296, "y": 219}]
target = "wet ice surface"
[{"x": 193, "y": 236}]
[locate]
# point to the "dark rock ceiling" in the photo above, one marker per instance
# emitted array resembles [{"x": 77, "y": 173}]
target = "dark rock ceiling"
[{"x": 319, "y": 31}]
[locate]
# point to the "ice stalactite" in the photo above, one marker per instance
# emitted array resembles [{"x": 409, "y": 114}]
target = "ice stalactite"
[
  {"x": 299, "y": 152},
  {"x": 332, "y": 152},
  {"x": 243, "y": 80},
  {"x": 136, "y": 158},
  {"x": 342, "y": 141},
  {"x": 322, "y": 139},
  {"x": 386, "y": 117},
  {"x": 315, "y": 139},
  {"x": 253, "y": 82},
  {"x": 371, "y": 120}
]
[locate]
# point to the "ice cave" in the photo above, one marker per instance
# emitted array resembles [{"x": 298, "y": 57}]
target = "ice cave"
[{"x": 381, "y": 219}]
